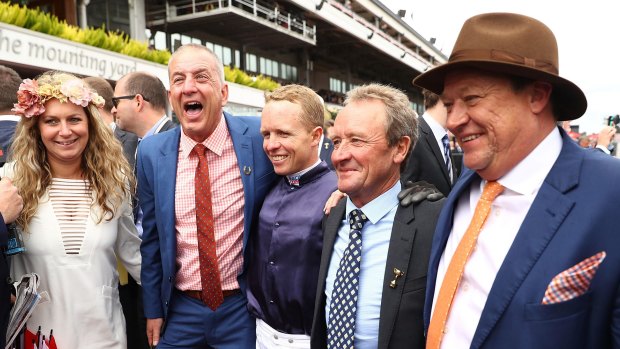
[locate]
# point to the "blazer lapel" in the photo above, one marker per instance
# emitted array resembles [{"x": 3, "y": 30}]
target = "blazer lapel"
[
  {"x": 331, "y": 224},
  {"x": 242, "y": 143},
  {"x": 166, "y": 185},
  {"x": 399, "y": 253},
  {"x": 548, "y": 211}
]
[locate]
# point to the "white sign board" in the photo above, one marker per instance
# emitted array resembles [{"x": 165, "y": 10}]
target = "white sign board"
[{"x": 32, "y": 48}]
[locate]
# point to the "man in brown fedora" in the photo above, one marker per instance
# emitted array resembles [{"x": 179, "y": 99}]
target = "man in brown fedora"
[{"x": 526, "y": 253}]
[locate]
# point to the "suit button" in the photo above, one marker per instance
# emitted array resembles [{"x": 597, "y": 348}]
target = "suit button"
[
  {"x": 169, "y": 278},
  {"x": 271, "y": 263},
  {"x": 277, "y": 224},
  {"x": 9, "y": 280},
  {"x": 271, "y": 301},
  {"x": 166, "y": 303}
]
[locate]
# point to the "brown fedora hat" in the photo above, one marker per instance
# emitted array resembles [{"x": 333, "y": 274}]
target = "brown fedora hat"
[{"x": 511, "y": 44}]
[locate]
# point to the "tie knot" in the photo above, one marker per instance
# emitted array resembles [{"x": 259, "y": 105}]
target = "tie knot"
[
  {"x": 199, "y": 149},
  {"x": 357, "y": 218},
  {"x": 445, "y": 140},
  {"x": 491, "y": 191}
]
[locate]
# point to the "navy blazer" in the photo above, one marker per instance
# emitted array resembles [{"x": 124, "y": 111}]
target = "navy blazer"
[
  {"x": 572, "y": 218},
  {"x": 157, "y": 169}
]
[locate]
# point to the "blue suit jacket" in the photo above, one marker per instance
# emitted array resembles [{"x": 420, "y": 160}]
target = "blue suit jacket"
[
  {"x": 157, "y": 168},
  {"x": 572, "y": 218}
]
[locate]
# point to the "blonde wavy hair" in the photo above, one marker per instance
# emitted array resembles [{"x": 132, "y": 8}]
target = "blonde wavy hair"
[{"x": 109, "y": 175}]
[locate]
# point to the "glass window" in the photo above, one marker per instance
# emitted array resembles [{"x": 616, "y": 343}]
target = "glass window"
[
  {"x": 209, "y": 45},
  {"x": 227, "y": 60},
  {"x": 237, "y": 58},
  {"x": 274, "y": 68},
  {"x": 218, "y": 52},
  {"x": 267, "y": 67},
  {"x": 294, "y": 74},
  {"x": 160, "y": 40},
  {"x": 262, "y": 65},
  {"x": 250, "y": 62}
]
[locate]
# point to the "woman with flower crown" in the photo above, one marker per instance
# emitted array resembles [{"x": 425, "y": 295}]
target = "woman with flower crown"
[{"x": 77, "y": 219}]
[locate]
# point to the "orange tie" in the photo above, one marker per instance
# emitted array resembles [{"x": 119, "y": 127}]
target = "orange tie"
[{"x": 457, "y": 264}]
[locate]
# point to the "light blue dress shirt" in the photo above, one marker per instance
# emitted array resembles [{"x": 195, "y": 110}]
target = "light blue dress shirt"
[{"x": 376, "y": 236}]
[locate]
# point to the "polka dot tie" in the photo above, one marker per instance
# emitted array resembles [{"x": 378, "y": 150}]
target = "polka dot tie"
[
  {"x": 209, "y": 268},
  {"x": 453, "y": 275},
  {"x": 343, "y": 306}
]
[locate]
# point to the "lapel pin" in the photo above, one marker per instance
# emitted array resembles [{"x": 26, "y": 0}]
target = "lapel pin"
[
  {"x": 247, "y": 170},
  {"x": 397, "y": 274},
  {"x": 326, "y": 145}
]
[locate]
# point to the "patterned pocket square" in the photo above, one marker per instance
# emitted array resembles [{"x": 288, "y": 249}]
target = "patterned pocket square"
[{"x": 573, "y": 282}]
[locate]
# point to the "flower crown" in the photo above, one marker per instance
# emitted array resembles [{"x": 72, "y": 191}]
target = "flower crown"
[{"x": 33, "y": 94}]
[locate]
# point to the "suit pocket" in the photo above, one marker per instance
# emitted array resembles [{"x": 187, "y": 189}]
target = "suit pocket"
[
  {"x": 570, "y": 308},
  {"x": 561, "y": 325},
  {"x": 415, "y": 284}
]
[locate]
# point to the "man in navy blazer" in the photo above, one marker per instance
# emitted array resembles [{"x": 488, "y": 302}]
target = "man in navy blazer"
[
  {"x": 543, "y": 270},
  {"x": 240, "y": 176}
]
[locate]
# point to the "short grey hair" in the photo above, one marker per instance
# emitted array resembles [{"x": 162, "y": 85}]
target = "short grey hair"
[
  {"x": 218, "y": 63},
  {"x": 401, "y": 119}
]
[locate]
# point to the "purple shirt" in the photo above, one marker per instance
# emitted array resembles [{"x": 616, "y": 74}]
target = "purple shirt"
[{"x": 286, "y": 247}]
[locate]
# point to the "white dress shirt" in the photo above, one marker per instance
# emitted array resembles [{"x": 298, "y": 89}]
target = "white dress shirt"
[{"x": 507, "y": 214}]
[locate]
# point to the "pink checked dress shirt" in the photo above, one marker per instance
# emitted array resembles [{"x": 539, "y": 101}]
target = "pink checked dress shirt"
[{"x": 228, "y": 204}]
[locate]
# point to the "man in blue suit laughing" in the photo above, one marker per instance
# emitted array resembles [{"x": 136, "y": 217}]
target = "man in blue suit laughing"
[
  {"x": 526, "y": 253},
  {"x": 201, "y": 187}
]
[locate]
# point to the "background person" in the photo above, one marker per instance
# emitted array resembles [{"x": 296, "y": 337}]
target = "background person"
[
  {"x": 9, "y": 84},
  {"x": 430, "y": 159},
  {"x": 128, "y": 140},
  {"x": 76, "y": 186}
]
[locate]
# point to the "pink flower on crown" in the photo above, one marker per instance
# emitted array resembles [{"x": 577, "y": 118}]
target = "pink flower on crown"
[
  {"x": 76, "y": 92},
  {"x": 29, "y": 101}
]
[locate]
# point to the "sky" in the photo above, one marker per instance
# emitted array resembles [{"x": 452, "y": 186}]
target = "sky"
[{"x": 588, "y": 35}]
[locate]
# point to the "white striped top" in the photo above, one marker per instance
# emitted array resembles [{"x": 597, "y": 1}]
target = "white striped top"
[{"x": 71, "y": 200}]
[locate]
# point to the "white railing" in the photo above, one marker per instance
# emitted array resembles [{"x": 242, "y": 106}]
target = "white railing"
[{"x": 176, "y": 10}]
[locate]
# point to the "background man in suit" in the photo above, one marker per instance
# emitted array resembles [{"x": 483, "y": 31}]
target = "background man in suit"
[
  {"x": 373, "y": 135},
  {"x": 430, "y": 158},
  {"x": 128, "y": 140},
  {"x": 140, "y": 108},
  {"x": 140, "y": 104},
  {"x": 10, "y": 81},
  {"x": 199, "y": 205},
  {"x": 543, "y": 270}
]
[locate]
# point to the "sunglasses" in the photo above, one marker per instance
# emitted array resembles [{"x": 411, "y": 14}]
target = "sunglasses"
[{"x": 116, "y": 100}]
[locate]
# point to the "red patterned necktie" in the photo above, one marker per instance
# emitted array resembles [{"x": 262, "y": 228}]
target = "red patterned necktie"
[{"x": 209, "y": 269}]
